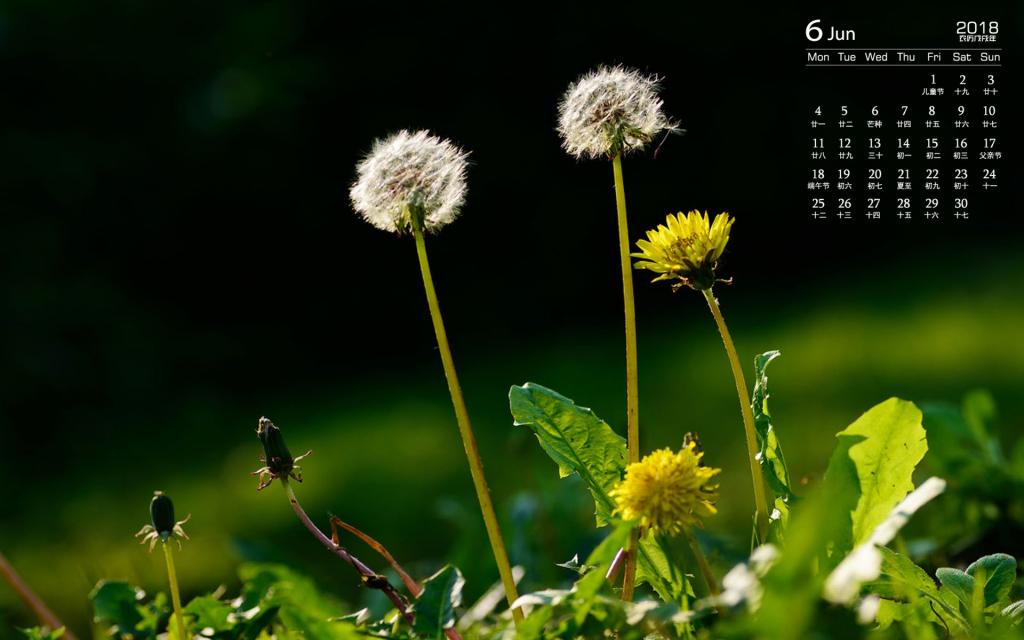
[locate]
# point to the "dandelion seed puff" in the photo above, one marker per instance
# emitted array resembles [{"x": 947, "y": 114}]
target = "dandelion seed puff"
[
  {"x": 611, "y": 110},
  {"x": 410, "y": 176}
]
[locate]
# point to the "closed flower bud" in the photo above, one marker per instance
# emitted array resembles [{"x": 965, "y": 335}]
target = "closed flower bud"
[
  {"x": 277, "y": 459},
  {"x": 161, "y": 513},
  {"x": 163, "y": 526}
]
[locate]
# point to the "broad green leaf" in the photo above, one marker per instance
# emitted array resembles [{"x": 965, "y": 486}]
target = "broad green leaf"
[
  {"x": 874, "y": 460},
  {"x": 770, "y": 458},
  {"x": 116, "y": 604},
  {"x": 659, "y": 567},
  {"x": 580, "y": 442},
  {"x": 905, "y": 582},
  {"x": 1000, "y": 571},
  {"x": 577, "y": 440},
  {"x": 958, "y": 582},
  {"x": 435, "y": 608},
  {"x": 208, "y": 612}
]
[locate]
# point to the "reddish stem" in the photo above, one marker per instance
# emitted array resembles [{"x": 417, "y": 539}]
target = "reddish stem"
[
  {"x": 374, "y": 579},
  {"x": 31, "y": 600}
]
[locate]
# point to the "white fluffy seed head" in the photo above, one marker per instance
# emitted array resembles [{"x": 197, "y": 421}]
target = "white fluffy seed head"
[
  {"x": 611, "y": 110},
  {"x": 408, "y": 176}
]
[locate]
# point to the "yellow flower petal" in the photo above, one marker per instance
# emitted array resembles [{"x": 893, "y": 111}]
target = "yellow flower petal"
[{"x": 667, "y": 491}]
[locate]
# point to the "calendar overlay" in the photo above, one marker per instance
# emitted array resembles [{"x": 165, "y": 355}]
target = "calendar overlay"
[{"x": 907, "y": 134}]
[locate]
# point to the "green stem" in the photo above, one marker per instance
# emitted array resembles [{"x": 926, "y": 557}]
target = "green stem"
[
  {"x": 476, "y": 467},
  {"x": 632, "y": 394},
  {"x": 760, "y": 494},
  {"x": 172, "y": 577},
  {"x": 702, "y": 562}
]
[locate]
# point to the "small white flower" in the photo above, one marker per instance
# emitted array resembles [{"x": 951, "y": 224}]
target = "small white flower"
[
  {"x": 741, "y": 585},
  {"x": 864, "y": 563},
  {"x": 609, "y": 111},
  {"x": 867, "y": 610},
  {"x": 743, "y": 582},
  {"x": 408, "y": 175}
]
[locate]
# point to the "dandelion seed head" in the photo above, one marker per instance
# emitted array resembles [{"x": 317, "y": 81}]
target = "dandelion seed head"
[
  {"x": 611, "y": 110},
  {"x": 668, "y": 491},
  {"x": 410, "y": 175}
]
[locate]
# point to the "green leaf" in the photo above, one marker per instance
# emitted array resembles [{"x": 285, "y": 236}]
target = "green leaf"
[
  {"x": 577, "y": 440},
  {"x": 601, "y": 559},
  {"x": 209, "y": 613},
  {"x": 154, "y": 613},
  {"x": 979, "y": 411},
  {"x": 904, "y": 581},
  {"x": 580, "y": 442},
  {"x": 1014, "y": 610},
  {"x": 958, "y": 582},
  {"x": 41, "y": 633},
  {"x": 299, "y": 605},
  {"x": 874, "y": 460},
  {"x": 115, "y": 604},
  {"x": 659, "y": 567},
  {"x": 770, "y": 458},
  {"x": 960, "y": 440},
  {"x": 574, "y": 565},
  {"x": 435, "y": 608},
  {"x": 1000, "y": 571}
]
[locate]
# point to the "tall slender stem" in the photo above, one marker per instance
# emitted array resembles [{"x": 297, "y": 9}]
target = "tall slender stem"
[
  {"x": 760, "y": 495},
  {"x": 632, "y": 393},
  {"x": 172, "y": 577},
  {"x": 476, "y": 467},
  {"x": 31, "y": 600},
  {"x": 702, "y": 562}
]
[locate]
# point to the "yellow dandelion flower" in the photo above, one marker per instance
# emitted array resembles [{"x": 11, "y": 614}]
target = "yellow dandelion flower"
[
  {"x": 686, "y": 248},
  {"x": 668, "y": 491}
]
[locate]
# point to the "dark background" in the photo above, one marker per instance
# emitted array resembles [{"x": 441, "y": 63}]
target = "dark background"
[{"x": 179, "y": 257}]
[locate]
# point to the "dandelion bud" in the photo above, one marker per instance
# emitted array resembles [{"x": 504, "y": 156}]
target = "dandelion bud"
[
  {"x": 686, "y": 249},
  {"x": 277, "y": 459},
  {"x": 667, "y": 491},
  {"x": 161, "y": 512},
  {"x": 163, "y": 527},
  {"x": 609, "y": 111},
  {"x": 410, "y": 180}
]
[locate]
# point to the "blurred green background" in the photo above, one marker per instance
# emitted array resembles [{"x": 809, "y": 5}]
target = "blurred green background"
[{"x": 179, "y": 258}]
